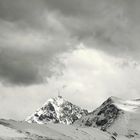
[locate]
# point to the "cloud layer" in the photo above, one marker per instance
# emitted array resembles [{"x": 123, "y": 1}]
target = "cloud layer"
[
  {"x": 30, "y": 42},
  {"x": 84, "y": 48},
  {"x": 33, "y": 33},
  {"x": 113, "y": 24}
]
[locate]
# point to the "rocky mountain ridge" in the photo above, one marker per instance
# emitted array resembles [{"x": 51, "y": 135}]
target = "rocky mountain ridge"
[
  {"x": 115, "y": 115},
  {"x": 57, "y": 110},
  {"x": 103, "y": 116}
]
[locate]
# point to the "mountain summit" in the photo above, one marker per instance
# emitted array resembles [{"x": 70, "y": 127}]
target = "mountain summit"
[
  {"x": 57, "y": 110},
  {"x": 116, "y": 116},
  {"x": 104, "y": 116}
]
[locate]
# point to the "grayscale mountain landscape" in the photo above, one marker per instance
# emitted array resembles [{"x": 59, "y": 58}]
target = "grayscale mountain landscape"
[
  {"x": 69, "y": 69},
  {"x": 58, "y": 119}
]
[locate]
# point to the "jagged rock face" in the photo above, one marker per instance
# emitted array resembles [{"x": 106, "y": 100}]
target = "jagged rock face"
[
  {"x": 57, "y": 110},
  {"x": 103, "y": 116}
]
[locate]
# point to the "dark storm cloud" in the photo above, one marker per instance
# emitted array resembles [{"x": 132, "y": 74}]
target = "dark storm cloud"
[
  {"x": 25, "y": 68},
  {"x": 18, "y": 67},
  {"x": 35, "y": 32},
  {"x": 30, "y": 41},
  {"x": 27, "y": 60},
  {"x": 25, "y": 12},
  {"x": 113, "y": 24}
]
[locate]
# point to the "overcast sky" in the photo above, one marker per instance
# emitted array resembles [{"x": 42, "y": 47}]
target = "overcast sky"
[{"x": 87, "y": 50}]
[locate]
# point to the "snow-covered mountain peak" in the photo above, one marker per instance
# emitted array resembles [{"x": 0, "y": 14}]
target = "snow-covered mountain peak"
[
  {"x": 103, "y": 116},
  {"x": 115, "y": 115},
  {"x": 57, "y": 110},
  {"x": 59, "y": 100},
  {"x": 113, "y": 99}
]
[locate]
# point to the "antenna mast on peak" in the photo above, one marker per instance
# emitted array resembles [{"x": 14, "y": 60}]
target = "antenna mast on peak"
[{"x": 59, "y": 95}]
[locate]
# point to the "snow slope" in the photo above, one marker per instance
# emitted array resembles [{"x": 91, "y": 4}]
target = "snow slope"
[
  {"x": 52, "y": 131},
  {"x": 127, "y": 123},
  {"x": 8, "y": 132},
  {"x": 15, "y": 130}
]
